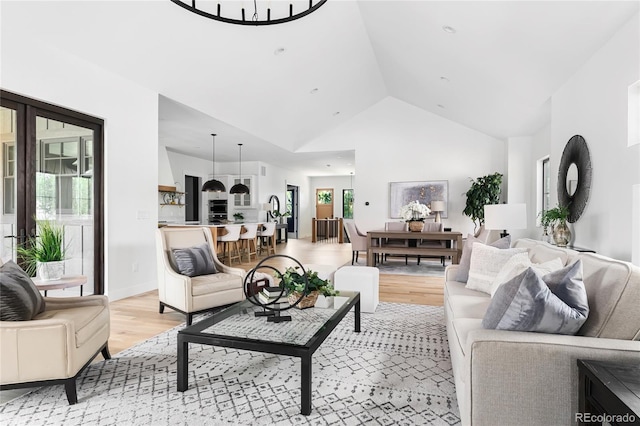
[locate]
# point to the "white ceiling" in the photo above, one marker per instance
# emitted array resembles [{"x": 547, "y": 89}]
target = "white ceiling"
[{"x": 501, "y": 66}]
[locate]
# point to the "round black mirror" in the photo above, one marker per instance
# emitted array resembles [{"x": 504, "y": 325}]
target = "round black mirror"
[
  {"x": 275, "y": 206},
  {"x": 574, "y": 177}
]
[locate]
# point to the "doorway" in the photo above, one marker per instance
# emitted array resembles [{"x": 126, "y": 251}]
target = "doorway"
[
  {"x": 324, "y": 203},
  {"x": 191, "y": 198},
  {"x": 292, "y": 205},
  {"x": 51, "y": 168}
]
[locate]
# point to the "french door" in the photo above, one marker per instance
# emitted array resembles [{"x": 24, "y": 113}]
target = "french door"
[{"x": 51, "y": 168}]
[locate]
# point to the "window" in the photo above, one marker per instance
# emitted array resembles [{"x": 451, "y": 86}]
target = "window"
[
  {"x": 347, "y": 203},
  {"x": 546, "y": 185}
]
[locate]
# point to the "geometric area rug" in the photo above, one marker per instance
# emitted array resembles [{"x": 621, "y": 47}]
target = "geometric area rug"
[{"x": 396, "y": 371}]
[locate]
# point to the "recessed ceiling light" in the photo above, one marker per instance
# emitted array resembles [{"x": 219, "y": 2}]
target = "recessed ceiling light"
[
  {"x": 444, "y": 79},
  {"x": 448, "y": 29},
  {"x": 314, "y": 91},
  {"x": 279, "y": 51},
  {"x": 328, "y": 165},
  {"x": 336, "y": 113},
  {"x": 440, "y": 106}
]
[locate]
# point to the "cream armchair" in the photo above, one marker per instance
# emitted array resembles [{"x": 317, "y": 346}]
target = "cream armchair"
[
  {"x": 55, "y": 346},
  {"x": 192, "y": 295}
]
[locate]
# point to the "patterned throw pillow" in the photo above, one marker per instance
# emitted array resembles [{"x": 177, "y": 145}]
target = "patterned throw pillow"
[
  {"x": 194, "y": 261},
  {"x": 554, "y": 303},
  {"x": 465, "y": 260},
  {"x": 486, "y": 262},
  {"x": 20, "y": 300}
]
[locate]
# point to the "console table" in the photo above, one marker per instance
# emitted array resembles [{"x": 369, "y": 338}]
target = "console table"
[
  {"x": 608, "y": 391},
  {"x": 62, "y": 283},
  {"x": 454, "y": 250}
]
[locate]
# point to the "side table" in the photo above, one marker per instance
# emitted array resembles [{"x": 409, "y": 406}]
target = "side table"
[
  {"x": 62, "y": 283},
  {"x": 608, "y": 392}
]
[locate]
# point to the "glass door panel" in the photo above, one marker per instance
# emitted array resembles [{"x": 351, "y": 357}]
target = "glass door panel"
[
  {"x": 8, "y": 192},
  {"x": 64, "y": 188}
]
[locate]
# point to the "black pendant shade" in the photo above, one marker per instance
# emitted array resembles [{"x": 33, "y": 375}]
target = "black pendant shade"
[
  {"x": 213, "y": 185},
  {"x": 239, "y": 188}
]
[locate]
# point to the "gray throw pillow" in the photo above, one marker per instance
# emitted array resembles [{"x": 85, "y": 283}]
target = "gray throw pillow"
[
  {"x": 20, "y": 300},
  {"x": 465, "y": 260},
  {"x": 555, "y": 303},
  {"x": 194, "y": 261}
]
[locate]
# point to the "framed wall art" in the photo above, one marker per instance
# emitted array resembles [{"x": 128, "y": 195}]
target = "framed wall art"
[{"x": 402, "y": 193}]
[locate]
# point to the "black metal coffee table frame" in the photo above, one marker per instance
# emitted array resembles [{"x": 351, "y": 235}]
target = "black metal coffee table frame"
[{"x": 194, "y": 334}]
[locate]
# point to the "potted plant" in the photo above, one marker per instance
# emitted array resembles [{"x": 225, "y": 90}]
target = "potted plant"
[
  {"x": 484, "y": 190},
  {"x": 294, "y": 284},
  {"x": 414, "y": 214},
  {"x": 281, "y": 216},
  {"x": 557, "y": 218},
  {"x": 238, "y": 217},
  {"x": 45, "y": 254}
]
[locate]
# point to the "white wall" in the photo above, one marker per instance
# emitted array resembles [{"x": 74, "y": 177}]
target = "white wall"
[
  {"x": 593, "y": 103},
  {"x": 130, "y": 113},
  {"x": 397, "y": 142},
  {"x": 181, "y": 165},
  {"x": 520, "y": 173}
]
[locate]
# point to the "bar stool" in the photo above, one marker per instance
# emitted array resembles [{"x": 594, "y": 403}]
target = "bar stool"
[
  {"x": 230, "y": 243},
  {"x": 269, "y": 232},
  {"x": 248, "y": 239}
]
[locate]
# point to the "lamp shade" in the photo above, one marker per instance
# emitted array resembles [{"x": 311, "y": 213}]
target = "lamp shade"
[
  {"x": 437, "y": 206},
  {"x": 213, "y": 186},
  {"x": 505, "y": 216},
  {"x": 239, "y": 188}
]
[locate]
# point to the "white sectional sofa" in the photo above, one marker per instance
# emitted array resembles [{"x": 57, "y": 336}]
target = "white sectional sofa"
[{"x": 526, "y": 378}]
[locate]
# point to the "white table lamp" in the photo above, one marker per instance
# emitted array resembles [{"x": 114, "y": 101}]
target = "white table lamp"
[
  {"x": 505, "y": 216},
  {"x": 437, "y": 207}
]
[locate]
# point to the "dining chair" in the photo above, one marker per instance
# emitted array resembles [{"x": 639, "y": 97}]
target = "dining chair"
[
  {"x": 433, "y": 227},
  {"x": 395, "y": 242}
]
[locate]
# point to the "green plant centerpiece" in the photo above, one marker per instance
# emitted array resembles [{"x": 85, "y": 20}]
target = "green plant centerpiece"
[
  {"x": 294, "y": 284},
  {"x": 484, "y": 190},
  {"x": 557, "y": 219},
  {"x": 46, "y": 252},
  {"x": 281, "y": 216},
  {"x": 239, "y": 217}
]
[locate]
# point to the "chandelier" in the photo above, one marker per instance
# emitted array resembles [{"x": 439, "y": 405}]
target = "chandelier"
[{"x": 263, "y": 12}]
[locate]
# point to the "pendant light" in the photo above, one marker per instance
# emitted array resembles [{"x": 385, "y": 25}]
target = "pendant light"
[
  {"x": 213, "y": 185},
  {"x": 239, "y": 188}
]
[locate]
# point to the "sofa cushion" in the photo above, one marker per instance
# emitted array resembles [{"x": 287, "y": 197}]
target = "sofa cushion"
[
  {"x": 540, "y": 252},
  {"x": 518, "y": 264},
  {"x": 486, "y": 262},
  {"x": 556, "y": 303},
  {"x": 206, "y": 284},
  {"x": 462, "y": 327},
  {"x": 613, "y": 290},
  {"x": 20, "y": 300},
  {"x": 465, "y": 259},
  {"x": 194, "y": 261},
  {"x": 469, "y": 306}
]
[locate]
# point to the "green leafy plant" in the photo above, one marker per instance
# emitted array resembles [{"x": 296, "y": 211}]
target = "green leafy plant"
[
  {"x": 324, "y": 197},
  {"x": 48, "y": 246},
  {"x": 484, "y": 190},
  {"x": 238, "y": 216},
  {"x": 276, "y": 213},
  {"x": 294, "y": 282},
  {"x": 554, "y": 215}
]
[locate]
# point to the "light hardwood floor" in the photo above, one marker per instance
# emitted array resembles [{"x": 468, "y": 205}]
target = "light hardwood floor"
[{"x": 136, "y": 318}]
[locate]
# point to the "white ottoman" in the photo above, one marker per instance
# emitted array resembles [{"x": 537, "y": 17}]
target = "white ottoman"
[{"x": 364, "y": 279}]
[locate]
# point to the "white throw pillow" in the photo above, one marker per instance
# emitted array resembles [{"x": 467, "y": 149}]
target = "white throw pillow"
[
  {"x": 486, "y": 263},
  {"x": 518, "y": 264}
]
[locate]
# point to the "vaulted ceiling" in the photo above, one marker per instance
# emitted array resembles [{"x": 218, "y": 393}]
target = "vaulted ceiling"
[{"x": 489, "y": 65}]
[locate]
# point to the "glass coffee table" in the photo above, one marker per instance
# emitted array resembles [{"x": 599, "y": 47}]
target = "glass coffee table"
[{"x": 238, "y": 327}]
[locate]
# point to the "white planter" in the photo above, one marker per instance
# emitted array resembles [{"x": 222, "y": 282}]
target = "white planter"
[
  {"x": 324, "y": 302},
  {"x": 49, "y": 271}
]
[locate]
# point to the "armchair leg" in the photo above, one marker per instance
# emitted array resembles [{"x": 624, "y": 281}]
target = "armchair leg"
[
  {"x": 105, "y": 352},
  {"x": 161, "y": 308},
  {"x": 70, "y": 389},
  {"x": 189, "y": 319}
]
